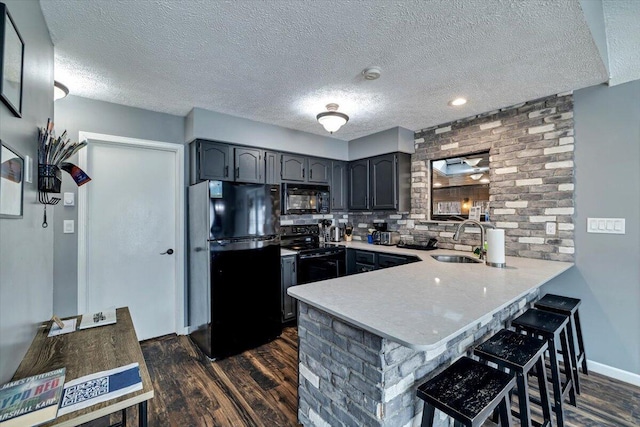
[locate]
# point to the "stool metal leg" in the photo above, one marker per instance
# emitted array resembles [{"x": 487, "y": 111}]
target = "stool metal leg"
[
  {"x": 124, "y": 417},
  {"x": 523, "y": 400},
  {"x": 581, "y": 352},
  {"x": 505, "y": 412},
  {"x": 428, "y": 413},
  {"x": 568, "y": 367},
  {"x": 574, "y": 359},
  {"x": 544, "y": 391}
]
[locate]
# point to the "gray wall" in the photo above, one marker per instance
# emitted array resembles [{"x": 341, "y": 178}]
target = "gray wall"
[
  {"x": 607, "y": 272},
  {"x": 236, "y": 130},
  {"x": 594, "y": 15},
  {"x": 387, "y": 141},
  {"x": 77, "y": 114},
  {"x": 26, "y": 249}
]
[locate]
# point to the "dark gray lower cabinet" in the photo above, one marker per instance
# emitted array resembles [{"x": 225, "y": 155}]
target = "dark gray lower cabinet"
[
  {"x": 361, "y": 261},
  {"x": 289, "y": 277}
]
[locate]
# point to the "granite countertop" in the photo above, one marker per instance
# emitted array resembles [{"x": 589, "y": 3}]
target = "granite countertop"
[{"x": 424, "y": 304}]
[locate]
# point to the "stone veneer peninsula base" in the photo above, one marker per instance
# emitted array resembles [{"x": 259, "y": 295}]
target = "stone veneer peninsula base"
[
  {"x": 352, "y": 377},
  {"x": 367, "y": 341}
]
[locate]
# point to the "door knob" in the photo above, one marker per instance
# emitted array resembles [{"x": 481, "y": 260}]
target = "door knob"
[{"x": 168, "y": 252}]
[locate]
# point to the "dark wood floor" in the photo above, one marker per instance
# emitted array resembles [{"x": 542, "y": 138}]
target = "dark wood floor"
[{"x": 258, "y": 388}]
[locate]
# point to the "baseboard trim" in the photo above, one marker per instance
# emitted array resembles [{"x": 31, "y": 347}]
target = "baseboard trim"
[{"x": 615, "y": 373}]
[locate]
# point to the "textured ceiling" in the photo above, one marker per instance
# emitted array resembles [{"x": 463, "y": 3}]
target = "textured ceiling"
[
  {"x": 281, "y": 62},
  {"x": 622, "y": 25}
]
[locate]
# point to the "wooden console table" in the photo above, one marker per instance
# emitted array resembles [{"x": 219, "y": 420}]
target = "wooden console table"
[{"x": 85, "y": 352}]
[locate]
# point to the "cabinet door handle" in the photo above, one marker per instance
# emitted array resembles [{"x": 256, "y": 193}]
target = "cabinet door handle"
[
  {"x": 238, "y": 172},
  {"x": 310, "y": 173},
  {"x": 303, "y": 173},
  {"x": 226, "y": 171}
]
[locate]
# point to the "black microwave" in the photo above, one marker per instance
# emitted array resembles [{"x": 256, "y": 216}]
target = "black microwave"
[{"x": 305, "y": 199}]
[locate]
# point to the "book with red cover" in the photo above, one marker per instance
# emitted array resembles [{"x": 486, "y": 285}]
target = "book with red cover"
[{"x": 32, "y": 400}]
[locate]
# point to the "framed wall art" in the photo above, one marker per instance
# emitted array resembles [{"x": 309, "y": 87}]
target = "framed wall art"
[
  {"x": 11, "y": 62},
  {"x": 11, "y": 182}
]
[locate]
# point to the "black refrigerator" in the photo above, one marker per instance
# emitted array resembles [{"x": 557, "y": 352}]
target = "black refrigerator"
[{"x": 234, "y": 266}]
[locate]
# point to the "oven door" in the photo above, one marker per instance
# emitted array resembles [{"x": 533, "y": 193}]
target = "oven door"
[{"x": 316, "y": 267}]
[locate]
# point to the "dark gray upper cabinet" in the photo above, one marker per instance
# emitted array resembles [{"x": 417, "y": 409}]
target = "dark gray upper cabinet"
[
  {"x": 359, "y": 184},
  {"x": 249, "y": 166},
  {"x": 381, "y": 183},
  {"x": 319, "y": 170},
  {"x": 272, "y": 167},
  {"x": 293, "y": 168},
  {"x": 214, "y": 161},
  {"x": 384, "y": 182},
  {"x": 339, "y": 185}
]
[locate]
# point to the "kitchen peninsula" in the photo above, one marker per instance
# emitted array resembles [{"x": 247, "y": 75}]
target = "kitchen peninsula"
[{"x": 368, "y": 340}]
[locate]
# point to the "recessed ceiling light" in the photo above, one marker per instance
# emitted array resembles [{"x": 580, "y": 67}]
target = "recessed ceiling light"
[{"x": 458, "y": 102}]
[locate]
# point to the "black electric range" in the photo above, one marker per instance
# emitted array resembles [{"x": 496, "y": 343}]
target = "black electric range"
[{"x": 316, "y": 260}]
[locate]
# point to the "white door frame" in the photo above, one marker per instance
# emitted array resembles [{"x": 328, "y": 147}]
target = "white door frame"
[{"x": 179, "y": 210}]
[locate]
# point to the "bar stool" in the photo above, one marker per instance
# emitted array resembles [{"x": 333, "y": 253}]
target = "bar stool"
[
  {"x": 520, "y": 353},
  {"x": 568, "y": 307},
  {"x": 552, "y": 326},
  {"x": 468, "y": 391}
]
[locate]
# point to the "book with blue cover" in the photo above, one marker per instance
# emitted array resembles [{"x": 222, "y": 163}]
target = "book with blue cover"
[
  {"x": 100, "y": 387},
  {"x": 32, "y": 400}
]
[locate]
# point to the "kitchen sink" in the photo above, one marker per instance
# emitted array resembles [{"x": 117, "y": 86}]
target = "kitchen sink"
[{"x": 456, "y": 258}]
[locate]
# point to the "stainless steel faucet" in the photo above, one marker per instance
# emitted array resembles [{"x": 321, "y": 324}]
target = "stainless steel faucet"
[{"x": 482, "y": 227}]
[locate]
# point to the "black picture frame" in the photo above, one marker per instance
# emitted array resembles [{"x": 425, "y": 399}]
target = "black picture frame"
[
  {"x": 11, "y": 182},
  {"x": 11, "y": 62}
]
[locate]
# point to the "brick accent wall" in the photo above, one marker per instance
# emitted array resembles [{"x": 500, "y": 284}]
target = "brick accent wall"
[
  {"x": 351, "y": 377},
  {"x": 531, "y": 149}
]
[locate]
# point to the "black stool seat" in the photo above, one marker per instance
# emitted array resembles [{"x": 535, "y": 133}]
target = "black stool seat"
[
  {"x": 558, "y": 304},
  {"x": 552, "y": 327},
  {"x": 468, "y": 391},
  {"x": 569, "y": 307},
  {"x": 520, "y": 353},
  {"x": 544, "y": 323}
]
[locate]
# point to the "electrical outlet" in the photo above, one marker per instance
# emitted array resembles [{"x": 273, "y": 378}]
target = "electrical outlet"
[{"x": 551, "y": 228}]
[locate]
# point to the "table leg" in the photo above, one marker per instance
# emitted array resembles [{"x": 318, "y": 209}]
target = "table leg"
[
  {"x": 124, "y": 417},
  {"x": 142, "y": 414}
]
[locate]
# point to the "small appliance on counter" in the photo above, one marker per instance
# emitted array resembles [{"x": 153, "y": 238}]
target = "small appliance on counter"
[
  {"x": 335, "y": 233},
  {"x": 379, "y": 227},
  {"x": 389, "y": 238}
]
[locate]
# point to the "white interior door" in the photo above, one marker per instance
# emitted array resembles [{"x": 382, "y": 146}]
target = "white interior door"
[{"x": 130, "y": 221}]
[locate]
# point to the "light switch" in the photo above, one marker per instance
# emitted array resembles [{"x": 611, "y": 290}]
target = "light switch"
[
  {"x": 606, "y": 225},
  {"x": 69, "y": 199},
  {"x": 68, "y": 226}
]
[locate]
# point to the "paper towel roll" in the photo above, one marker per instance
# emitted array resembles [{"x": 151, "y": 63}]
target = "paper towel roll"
[{"x": 495, "y": 248}]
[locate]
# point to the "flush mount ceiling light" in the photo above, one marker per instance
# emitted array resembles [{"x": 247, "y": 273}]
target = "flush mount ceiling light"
[
  {"x": 331, "y": 120},
  {"x": 476, "y": 176},
  {"x": 458, "y": 102},
  {"x": 473, "y": 162},
  {"x": 59, "y": 90}
]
